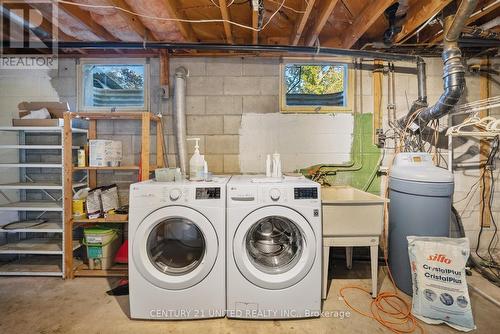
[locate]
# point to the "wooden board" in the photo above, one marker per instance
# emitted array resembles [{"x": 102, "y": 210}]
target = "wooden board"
[
  {"x": 484, "y": 150},
  {"x": 377, "y": 98}
]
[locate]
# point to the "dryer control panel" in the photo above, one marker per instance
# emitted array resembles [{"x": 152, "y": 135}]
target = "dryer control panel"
[
  {"x": 305, "y": 193},
  {"x": 208, "y": 193}
]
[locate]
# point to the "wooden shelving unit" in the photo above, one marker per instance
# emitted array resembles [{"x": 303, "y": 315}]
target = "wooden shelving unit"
[{"x": 72, "y": 268}]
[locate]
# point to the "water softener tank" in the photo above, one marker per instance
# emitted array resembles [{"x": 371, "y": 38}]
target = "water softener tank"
[{"x": 420, "y": 204}]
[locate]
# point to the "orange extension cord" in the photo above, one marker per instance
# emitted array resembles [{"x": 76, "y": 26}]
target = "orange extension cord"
[{"x": 388, "y": 308}]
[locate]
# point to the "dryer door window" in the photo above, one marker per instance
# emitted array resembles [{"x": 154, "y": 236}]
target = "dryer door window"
[
  {"x": 274, "y": 247},
  {"x": 274, "y": 244},
  {"x": 176, "y": 246}
]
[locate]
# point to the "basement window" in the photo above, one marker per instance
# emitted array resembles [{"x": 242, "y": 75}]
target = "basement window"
[
  {"x": 315, "y": 87},
  {"x": 105, "y": 85}
]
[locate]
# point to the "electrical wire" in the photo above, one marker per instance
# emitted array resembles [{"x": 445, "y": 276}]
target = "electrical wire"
[
  {"x": 216, "y": 5},
  {"x": 175, "y": 19},
  {"x": 387, "y": 308},
  {"x": 289, "y": 8},
  {"x": 489, "y": 167}
]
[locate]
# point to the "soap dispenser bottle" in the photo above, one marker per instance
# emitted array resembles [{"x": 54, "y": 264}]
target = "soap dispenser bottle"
[{"x": 196, "y": 163}]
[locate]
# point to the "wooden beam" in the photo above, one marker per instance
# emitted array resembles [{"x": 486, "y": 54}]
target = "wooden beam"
[
  {"x": 184, "y": 27},
  {"x": 255, "y": 25},
  {"x": 418, "y": 14},
  {"x": 67, "y": 141},
  {"x": 133, "y": 20},
  {"x": 301, "y": 23},
  {"x": 491, "y": 7},
  {"x": 364, "y": 21},
  {"x": 164, "y": 68},
  {"x": 145, "y": 146},
  {"x": 484, "y": 149},
  {"x": 377, "y": 75},
  {"x": 85, "y": 18},
  {"x": 226, "y": 17},
  {"x": 324, "y": 13}
]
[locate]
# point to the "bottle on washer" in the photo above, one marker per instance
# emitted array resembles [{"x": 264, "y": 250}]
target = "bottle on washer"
[
  {"x": 196, "y": 163},
  {"x": 276, "y": 165}
]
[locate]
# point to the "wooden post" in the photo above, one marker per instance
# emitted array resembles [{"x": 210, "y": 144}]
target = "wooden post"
[
  {"x": 377, "y": 97},
  {"x": 164, "y": 68},
  {"x": 145, "y": 146},
  {"x": 160, "y": 161},
  {"x": 92, "y": 134},
  {"x": 67, "y": 141},
  {"x": 484, "y": 149}
]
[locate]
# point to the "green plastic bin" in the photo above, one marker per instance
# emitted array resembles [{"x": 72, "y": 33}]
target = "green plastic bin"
[{"x": 102, "y": 243}]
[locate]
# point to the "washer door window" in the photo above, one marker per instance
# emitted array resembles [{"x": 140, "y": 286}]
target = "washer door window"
[
  {"x": 274, "y": 247},
  {"x": 175, "y": 247}
]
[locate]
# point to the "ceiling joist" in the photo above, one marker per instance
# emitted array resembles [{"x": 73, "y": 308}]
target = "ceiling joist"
[
  {"x": 226, "y": 17},
  {"x": 477, "y": 15},
  {"x": 324, "y": 13},
  {"x": 132, "y": 20},
  {"x": 301, "y": 23},
  {"x": 255, "y": 25},
  {"x": 85, "y": 18},
  {"x": 364, "y": 21},
  {"x": 418, "y": 15},
  {"x": 184, "y": 27}
]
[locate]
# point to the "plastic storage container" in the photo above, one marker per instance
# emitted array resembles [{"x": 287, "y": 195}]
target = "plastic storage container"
[
  {"x": 102, "y": 244},
  {"x": 420, "y": 205}
]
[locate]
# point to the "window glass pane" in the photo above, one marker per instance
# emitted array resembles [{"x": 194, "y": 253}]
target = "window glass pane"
[
  {"x": 176, "y": 246},
  {"x": 113, "y": 85},
  {"x": 315, "y": 84},
  {"x": 274, "y": 244}
]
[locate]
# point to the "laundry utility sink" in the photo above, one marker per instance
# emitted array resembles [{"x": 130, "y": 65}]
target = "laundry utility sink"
[{"x": 348, "y": 211}]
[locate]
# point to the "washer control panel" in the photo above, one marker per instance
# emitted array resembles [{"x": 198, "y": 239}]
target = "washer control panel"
[
  {"x": 208, "y": 193},
  {"x": 305, "y": 193}
]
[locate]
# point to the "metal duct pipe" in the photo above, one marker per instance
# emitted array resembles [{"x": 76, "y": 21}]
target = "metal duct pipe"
[
  {"x": 312, "y": 50},
  {"x": 453, "y": 72},
  {"x": 180, "y": 117},
  {"x": 422, "y": 82}
]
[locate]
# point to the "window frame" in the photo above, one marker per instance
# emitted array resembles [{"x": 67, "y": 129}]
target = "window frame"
[
  {"x": 348, "y": 84},
  {"x": 113, "y": 61}
]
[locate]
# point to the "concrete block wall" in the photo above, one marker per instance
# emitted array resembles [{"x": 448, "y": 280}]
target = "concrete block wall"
[
  {"x": 224, "y": 92},
  {"x": 220, "y": 91}
]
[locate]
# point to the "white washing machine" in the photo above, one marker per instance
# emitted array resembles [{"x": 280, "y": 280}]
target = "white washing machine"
[
  {"x": 273, "y": 248},
  {"x": 177, "y": 249}
]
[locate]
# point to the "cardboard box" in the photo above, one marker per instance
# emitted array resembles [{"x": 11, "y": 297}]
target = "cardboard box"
[
  {"x": 104, "y": 153},
  {"x": 56, "y": 110}
]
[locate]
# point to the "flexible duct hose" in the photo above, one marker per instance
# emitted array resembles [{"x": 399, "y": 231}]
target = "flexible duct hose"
[{"x": 180, "y": 117}]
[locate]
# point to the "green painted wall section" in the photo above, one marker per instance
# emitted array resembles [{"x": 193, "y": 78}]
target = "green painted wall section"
[
  {"x": 365, "y": 157},
  {"x": 368, "y": 156}
]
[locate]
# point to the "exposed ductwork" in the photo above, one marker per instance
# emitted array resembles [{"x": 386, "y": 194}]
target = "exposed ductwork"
[
  {"x": 453, "y": 72},
  {"x": 395, "y": 15},
  {"x": 180, "y": 116}
]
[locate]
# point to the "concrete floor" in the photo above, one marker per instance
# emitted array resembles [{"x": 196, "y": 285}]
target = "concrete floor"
[{"x": 50, "y": 305}]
